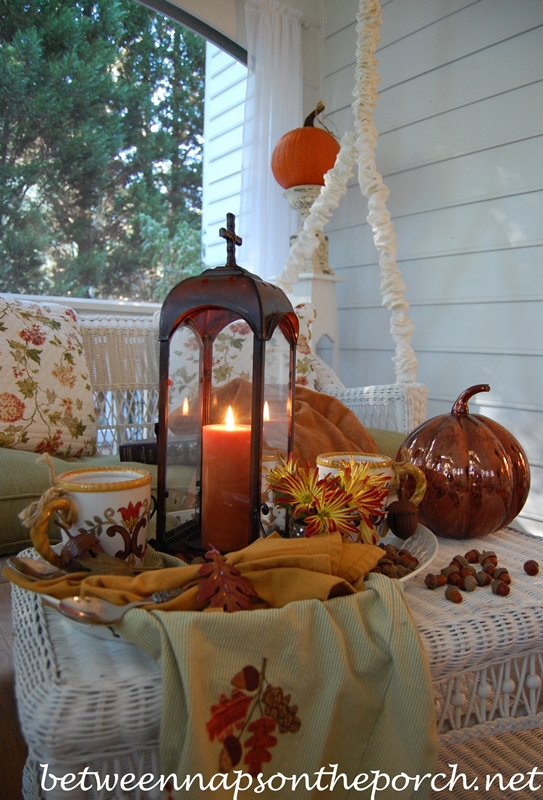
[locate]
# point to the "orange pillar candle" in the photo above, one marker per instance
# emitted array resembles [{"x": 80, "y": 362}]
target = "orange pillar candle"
[{"x": 226, "y": 463}]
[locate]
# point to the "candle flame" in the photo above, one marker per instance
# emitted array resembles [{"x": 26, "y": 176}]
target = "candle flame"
[
  {"x": 229, "y": 419},
  {"x": 185, "y": 409},
  {"x": 266, "y": 411}
]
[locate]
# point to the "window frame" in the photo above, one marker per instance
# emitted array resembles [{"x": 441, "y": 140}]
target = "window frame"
[{"x": 198, "y": 26}]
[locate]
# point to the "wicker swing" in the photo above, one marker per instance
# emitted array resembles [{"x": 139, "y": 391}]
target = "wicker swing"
[{"x": 409, "y": 396}]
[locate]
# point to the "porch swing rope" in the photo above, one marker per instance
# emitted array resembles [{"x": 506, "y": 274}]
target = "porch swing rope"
[{"x": 361, "y": 150}]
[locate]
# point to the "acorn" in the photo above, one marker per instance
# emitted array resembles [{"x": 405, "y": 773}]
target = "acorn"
[
  {"x": 453, "y": 594},
  {"x": 450, "y": 569},
  {"x": 501, "y": 574},
  {"x": 483, "y": 578},
  {"x": 488, "y": 557},
  {"x": 467, "y": 571},
  {"x": 460, "y": 562},
  {"x": 433, "y": 581},
  {"x": 403, "y": 518},
  {"x": 468, "y": 583},
  {"x": 501, "y": 588},
  {"x": 247, "y": 678}
]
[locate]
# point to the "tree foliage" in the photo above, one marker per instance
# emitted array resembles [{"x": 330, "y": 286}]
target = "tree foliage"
[{"x": 100, "y": 149}]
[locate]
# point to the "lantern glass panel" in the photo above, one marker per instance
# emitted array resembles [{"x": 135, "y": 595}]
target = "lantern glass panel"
[
  {"x": 184, "y": 421},
  {"x": 276, "y": 423},
  {"x": 277, "y": 394},
  {"x": 227, "y": 516}
]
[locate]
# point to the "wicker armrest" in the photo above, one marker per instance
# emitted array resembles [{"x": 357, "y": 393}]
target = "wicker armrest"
[{"x": 395, "y": 406}]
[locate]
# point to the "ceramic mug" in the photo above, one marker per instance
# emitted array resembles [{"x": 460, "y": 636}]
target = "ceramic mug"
[
  {"x": 110, "y": 502},
  {"x": 329, "y": 463}
]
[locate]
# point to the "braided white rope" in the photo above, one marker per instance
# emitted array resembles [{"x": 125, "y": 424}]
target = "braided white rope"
[
  {"x": 373, "y": 187},
  {"x": 362, "y": 150}
]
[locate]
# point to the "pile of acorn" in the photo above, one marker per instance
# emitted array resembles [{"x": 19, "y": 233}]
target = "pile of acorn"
[
  {"x": 396, "y": 563},
  {"x": 467, "y": 572}
]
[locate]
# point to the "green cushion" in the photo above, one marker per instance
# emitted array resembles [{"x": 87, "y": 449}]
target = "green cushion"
[
  {"x": 388, "y": 442},
  {"x": 22, "y": 481}
]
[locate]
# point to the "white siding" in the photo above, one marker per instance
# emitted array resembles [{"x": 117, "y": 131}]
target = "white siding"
[
  {"x": 460, "y": 118},
  {"x": 223, "y": 132}
]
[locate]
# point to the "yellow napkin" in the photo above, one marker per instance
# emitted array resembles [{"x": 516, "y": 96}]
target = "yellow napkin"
[{"x": 280, "y": 570}]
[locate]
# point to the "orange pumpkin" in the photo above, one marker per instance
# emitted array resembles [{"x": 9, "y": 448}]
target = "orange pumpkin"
[{"x": 303, "y": 155}]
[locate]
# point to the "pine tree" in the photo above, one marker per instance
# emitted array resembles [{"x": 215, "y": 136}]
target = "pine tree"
[{"x": 100, "y": 148}]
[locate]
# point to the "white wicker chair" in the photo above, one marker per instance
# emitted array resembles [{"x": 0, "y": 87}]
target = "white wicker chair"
[{"x": 122, "y": 356}]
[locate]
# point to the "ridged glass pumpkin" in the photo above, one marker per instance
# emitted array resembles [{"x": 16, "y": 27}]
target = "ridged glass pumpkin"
[
  {"x": 477, "y": 473},
  {"x": 303, "y": 156}
]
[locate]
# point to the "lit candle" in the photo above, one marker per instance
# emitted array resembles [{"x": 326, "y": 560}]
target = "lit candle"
[
  {"x": 226, "y": 460},
  {"x": 275, "y": 430},
  {"x": 185, "y": 409}
]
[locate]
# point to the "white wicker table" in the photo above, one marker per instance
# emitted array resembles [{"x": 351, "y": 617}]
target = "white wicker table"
[{"x": 85, "y": 702}]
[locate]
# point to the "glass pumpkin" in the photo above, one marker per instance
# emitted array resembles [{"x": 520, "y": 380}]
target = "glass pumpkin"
[{"x": 477, "y": 473}]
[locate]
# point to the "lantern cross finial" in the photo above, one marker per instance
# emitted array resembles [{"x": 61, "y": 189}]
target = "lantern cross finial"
[{"x": 232, "y": 239}]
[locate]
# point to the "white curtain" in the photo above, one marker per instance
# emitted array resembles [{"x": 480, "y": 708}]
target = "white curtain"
[{"x": 273, "y": 107}]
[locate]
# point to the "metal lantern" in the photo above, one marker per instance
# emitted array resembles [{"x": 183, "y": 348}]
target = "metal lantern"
[{"x": 227, "y": 363}]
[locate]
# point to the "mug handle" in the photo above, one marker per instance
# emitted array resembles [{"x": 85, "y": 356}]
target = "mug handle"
[
  {"x": 407, "y": 468},
  {"x": 38, "y": 532}
]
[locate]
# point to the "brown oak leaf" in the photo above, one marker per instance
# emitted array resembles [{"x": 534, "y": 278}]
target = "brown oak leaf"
[
  {"x": 227, "y": 712},
  {"x": 83, "y": 545},
  {"x": 224, "y": 586},
  {"x": 259, "y": 743}
]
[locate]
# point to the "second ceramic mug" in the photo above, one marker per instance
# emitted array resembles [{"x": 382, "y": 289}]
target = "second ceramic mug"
[
  {"x": 329, "y": 463},
  {"x": 112, "y": 503}
]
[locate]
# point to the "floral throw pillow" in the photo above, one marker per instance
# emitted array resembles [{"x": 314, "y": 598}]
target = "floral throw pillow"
[{"x": 46, "y": 402}]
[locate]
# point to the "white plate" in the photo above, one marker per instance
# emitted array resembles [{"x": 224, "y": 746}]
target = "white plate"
[{"x": 423, "y": 545}]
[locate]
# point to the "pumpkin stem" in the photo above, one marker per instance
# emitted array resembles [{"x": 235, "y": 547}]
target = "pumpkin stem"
[
  {"x": 461, "y": 405},
  {"x": 309, "y": 121}
]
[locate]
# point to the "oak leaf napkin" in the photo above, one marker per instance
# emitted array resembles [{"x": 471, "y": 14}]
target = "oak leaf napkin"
[{"x": 281, "y": 570}]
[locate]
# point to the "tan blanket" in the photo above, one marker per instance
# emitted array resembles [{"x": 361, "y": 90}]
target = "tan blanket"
[{"x": 322, "y": 424}]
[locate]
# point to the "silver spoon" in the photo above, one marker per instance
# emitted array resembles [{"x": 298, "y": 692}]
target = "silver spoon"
[
  {"x": 94, "y": 611},
  {"x": 34, "y": 569}
]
